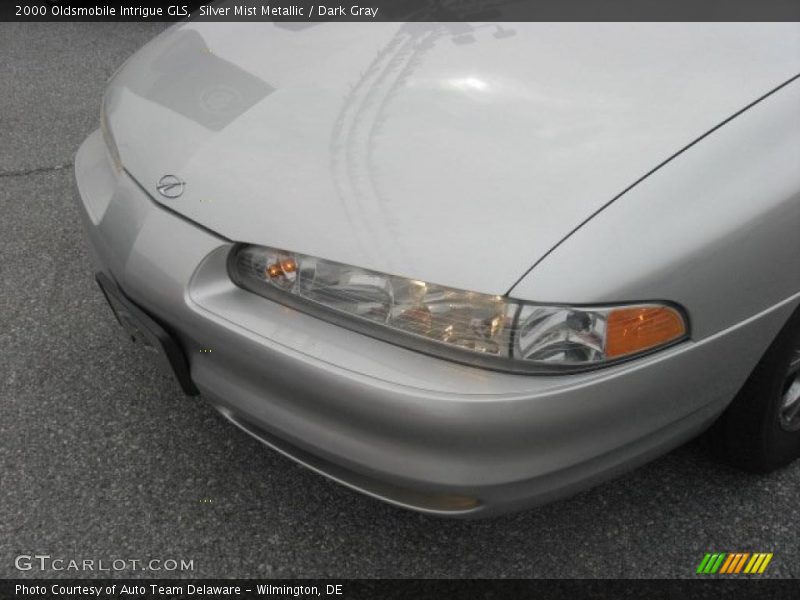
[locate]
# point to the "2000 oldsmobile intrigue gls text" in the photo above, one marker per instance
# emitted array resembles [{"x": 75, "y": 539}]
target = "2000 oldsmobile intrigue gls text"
[{"x": 464, "y": 268}]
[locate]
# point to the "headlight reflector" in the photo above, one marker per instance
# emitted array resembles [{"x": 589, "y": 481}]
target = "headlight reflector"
[{"x": 490, "y": 331}]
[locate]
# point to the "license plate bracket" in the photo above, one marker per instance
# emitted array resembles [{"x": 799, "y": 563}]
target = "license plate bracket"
[{"x": 145, "y": 330}]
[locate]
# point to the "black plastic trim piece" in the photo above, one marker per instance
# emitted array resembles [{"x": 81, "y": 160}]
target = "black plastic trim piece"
[{"x": 139, "y": 323}]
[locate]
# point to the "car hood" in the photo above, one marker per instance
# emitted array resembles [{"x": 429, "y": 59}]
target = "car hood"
[{"x": 458, "y": 154}]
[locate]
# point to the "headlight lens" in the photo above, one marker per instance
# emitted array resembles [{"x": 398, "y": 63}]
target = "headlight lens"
[
  {"x": 490, "y": 331},
  {"x": 108, "y": 138}
]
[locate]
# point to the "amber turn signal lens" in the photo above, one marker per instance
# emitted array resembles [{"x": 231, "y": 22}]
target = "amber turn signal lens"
[{"x": 634, "y": 330}]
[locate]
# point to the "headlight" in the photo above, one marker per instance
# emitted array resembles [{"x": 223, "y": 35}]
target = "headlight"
[
  {"x": 489, "y": 331},
  {"x": 108, "y": 138}
]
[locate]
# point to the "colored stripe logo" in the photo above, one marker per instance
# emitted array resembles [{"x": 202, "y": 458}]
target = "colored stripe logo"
[{"x": 734, "y": 563}]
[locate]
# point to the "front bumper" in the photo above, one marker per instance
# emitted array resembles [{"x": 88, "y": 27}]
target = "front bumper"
[{"x": 410, "y": 429}]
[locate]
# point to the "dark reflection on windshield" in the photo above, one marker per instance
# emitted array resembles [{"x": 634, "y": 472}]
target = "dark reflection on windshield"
[{"x": 189, "y": 79}]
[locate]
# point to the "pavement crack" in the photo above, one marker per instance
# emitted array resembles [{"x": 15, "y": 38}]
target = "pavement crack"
[{"x": 35, "y": 170}]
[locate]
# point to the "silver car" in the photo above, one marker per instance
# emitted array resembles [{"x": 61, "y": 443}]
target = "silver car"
[{"x": 463, "y": 268}]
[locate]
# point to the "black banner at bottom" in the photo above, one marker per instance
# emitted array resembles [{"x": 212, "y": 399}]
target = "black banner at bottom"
[{"x": 348, "y": 589}]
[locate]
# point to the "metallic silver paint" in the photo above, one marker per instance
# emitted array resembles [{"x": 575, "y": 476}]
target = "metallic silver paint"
[
  {"x": 394, "y": 148},
  {"x": 389, "y": 414},
  {"x": 715, "y": 229}
]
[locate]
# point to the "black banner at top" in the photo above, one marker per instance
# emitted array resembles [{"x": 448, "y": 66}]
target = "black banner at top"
[{"x": 402, "y": 10}]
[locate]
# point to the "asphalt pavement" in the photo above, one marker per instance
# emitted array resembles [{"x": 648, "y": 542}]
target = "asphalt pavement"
[{"x": 102, "y": 457}]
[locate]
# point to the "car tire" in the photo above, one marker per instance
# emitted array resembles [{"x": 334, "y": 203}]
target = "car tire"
[{"x": 757, "y": 432}]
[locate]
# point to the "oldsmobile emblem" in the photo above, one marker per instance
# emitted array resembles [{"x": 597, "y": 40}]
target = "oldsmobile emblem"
[{"x": 170, "y": 186}]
